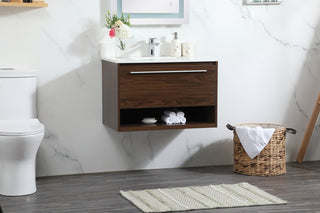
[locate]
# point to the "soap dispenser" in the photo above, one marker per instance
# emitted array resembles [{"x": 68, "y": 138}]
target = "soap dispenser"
[{"x": 175, "y": 46}]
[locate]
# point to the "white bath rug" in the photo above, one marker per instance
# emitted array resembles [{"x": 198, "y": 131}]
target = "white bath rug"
[{"x": 200, "y": 197}]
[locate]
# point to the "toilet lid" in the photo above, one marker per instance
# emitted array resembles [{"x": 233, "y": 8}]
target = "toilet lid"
[{"x": 20, "y": 127}]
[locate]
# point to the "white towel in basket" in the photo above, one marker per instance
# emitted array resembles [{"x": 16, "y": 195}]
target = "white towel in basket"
[{"x": 254, "y": 139}]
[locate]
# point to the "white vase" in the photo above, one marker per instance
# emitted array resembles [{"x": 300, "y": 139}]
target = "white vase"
[{"x": 119, "y": 53}]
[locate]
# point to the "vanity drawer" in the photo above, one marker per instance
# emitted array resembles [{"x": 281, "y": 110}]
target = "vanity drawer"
[{"x": 167, "y": 85}]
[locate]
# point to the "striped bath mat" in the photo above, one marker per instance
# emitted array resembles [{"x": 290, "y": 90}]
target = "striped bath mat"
[{"x": 200, "y": 197}]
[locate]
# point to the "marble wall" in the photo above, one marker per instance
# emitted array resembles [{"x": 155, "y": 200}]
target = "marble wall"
[{"x": 268, "y": 72}]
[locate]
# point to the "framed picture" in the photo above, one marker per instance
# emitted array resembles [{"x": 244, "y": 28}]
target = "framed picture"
[{"x": 153, "y": 12}]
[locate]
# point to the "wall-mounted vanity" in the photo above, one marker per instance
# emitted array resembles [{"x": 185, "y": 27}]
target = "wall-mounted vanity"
[{"x": 145, "y": 87}]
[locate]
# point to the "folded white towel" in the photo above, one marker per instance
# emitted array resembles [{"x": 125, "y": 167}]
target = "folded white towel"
[
  {"x": 254, "y": 139},
  {"x": 169, "y": 113}
]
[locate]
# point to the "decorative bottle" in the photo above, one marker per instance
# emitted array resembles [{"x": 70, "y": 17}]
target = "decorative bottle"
[{"x": 175, "y": 46}]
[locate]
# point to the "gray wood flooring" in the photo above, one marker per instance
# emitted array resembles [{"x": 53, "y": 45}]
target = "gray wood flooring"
[{"x": 100, "y": 192}]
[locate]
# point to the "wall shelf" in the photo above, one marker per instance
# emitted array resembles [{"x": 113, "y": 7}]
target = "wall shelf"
[{"x": 21, "y": 4}]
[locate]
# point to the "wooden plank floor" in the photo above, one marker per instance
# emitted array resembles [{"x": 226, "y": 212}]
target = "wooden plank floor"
[{"x": 100, "y": 192}]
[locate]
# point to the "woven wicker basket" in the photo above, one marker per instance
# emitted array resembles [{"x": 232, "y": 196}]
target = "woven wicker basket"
[{"x": 270, "y": 161}]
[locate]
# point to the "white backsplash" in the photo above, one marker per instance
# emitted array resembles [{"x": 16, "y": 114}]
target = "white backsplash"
[{"x": 268, "y": 72}]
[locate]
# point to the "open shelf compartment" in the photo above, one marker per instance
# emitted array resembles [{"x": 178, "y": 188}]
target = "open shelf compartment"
[{"x": 197, "y": 117}]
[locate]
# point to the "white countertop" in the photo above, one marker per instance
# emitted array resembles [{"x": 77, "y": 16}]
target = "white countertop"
[{"x": 131, "y": 60}]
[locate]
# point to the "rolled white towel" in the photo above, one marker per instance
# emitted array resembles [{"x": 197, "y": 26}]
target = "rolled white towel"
[
  {"x": 179, "y": 113},
  {"x": 182, "y": 119},
  {"x": 177, "y": 120},
  {"x": 169, "y": 113},
  {"x": 169, "y": 120}
]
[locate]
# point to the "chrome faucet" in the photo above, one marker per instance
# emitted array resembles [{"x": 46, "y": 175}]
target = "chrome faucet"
[{"x": 152, "y": 47}]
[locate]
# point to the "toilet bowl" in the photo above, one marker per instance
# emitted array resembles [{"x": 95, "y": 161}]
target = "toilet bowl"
[
  {"x": 20, "y": 132},
  {"x": 19, "y": 142}
]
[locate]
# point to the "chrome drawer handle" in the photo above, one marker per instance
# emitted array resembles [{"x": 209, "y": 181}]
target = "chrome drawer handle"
[{"x": 169, "y": 71}]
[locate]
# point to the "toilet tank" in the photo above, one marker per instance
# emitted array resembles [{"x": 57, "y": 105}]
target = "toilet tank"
[{"x": 17, "y": 94}]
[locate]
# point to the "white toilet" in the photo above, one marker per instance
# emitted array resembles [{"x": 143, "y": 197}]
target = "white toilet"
[{"x": 20, "y": 132}]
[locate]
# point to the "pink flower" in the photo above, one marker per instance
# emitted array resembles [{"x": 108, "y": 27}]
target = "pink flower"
[{"x": 112, "y": 33}]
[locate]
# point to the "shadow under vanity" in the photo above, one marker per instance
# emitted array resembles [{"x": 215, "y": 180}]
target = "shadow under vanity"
[{"x": 135, "y": 89}]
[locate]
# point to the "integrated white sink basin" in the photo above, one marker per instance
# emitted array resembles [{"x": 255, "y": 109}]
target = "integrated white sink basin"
[
  {"x": 143, "y": 59},
  {"x": 152, "y": 58}
]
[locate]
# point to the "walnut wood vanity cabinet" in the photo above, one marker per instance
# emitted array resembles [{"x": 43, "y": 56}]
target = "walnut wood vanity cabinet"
[{"x": 133, "y": 91}]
